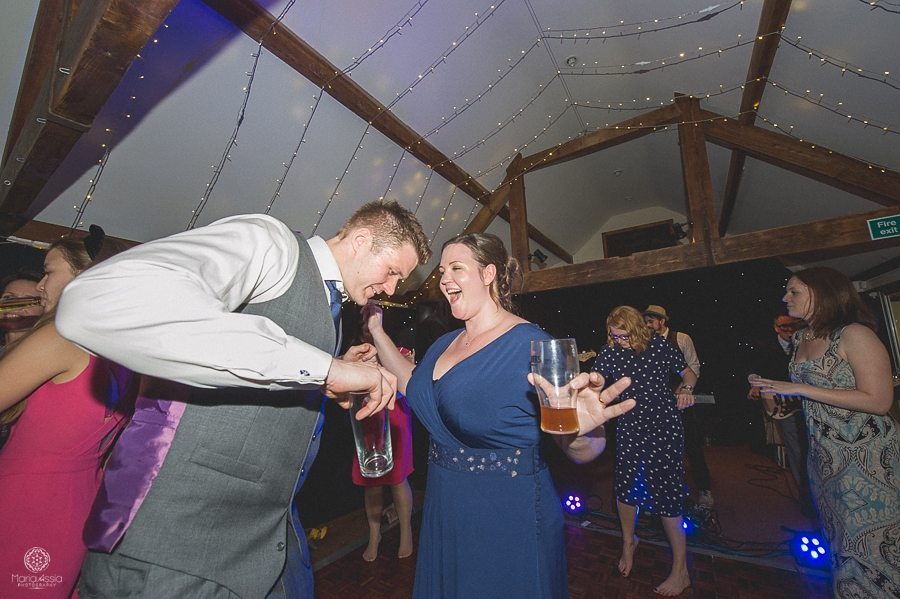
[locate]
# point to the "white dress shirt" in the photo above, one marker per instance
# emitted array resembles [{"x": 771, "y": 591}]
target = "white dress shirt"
[{"x": 165, "y": 308}]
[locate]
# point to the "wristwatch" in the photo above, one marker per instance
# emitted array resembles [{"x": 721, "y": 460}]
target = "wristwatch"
[{"x": 688, "y": 388}]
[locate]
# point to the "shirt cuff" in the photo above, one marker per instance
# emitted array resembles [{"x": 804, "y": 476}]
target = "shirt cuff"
[{"x": 307, "y": 366}]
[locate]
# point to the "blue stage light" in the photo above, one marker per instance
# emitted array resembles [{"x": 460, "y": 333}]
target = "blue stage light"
[
  {"x": 573, "y": 503},
  {"x": 809, "y": 550}
]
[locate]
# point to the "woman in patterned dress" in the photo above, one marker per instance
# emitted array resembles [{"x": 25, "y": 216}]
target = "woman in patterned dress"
[
  {"x": 649, "y": 472},
  {"x": 843, "y": 372}
]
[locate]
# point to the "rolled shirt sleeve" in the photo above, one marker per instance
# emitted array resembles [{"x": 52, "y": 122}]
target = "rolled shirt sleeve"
[
  {"x": 165, "y": 308},
  {"x": 686, "y": 344}
]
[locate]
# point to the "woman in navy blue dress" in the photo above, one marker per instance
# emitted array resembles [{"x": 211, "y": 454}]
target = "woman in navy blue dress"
[
  {"x": 492, "y": 523},
  {"x": 649, "y": 471}
]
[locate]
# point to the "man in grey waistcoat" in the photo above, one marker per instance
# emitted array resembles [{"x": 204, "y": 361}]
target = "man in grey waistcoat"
[{"x": 198, "y": 495}]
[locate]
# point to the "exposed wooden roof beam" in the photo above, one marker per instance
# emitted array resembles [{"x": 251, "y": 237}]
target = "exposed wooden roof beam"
[
  {"x": 303, "y": 58},
  {"x": 602, "y": 139},
  {"x": 701, "y": 204},
  {"x": 41, "y": 58},
  {"x": 35, "y": 230},
  {"x": 846, "y": 234},
  {"x": 772, "y": 18},
  {"x": 518, "y": 218},
  {"x": 849, "y": 174},
  {"x": 96, "y": 48}
]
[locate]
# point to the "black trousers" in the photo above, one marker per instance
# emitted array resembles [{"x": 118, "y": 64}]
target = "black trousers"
[{"x": 694, "y": 443}]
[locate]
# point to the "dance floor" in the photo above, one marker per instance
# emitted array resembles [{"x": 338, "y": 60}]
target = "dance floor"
[{"x": 739, "y": 553}]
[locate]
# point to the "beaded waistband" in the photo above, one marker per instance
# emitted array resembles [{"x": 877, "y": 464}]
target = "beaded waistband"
[{"x": 504, "y": 462}]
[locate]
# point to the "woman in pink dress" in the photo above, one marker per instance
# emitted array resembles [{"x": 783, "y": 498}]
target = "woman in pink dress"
[{"x": 65, "y": 407}]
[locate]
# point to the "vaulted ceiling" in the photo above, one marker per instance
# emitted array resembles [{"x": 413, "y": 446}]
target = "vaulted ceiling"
[{"x": 149, "y": 117}]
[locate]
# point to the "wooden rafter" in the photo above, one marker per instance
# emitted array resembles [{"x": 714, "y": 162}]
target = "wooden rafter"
[
  {"x": 602, "y": 139},
  {"x": 42, "y": 50},
  {"x": 816, "y": 162},
  {"x": 772, "y": 18},
  {"x": 828, "y": 237},
  {"x": 300, "y": 56},
  {"x": 518, "y": 217},
  {"x": 701, "y": 205},
  {"x": 97, "y": 46}
]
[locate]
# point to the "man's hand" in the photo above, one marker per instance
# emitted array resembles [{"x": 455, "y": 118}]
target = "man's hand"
[
  {"x": 364, "y": 352},
  {"x": 344, "y": 377}
]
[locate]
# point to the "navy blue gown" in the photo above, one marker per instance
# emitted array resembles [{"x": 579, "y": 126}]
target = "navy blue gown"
[
  {"x": 492, "y": 523},
  {"x": 650, "y": 438}
]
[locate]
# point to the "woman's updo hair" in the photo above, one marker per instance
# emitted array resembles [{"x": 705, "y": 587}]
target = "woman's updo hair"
[
  {"x": 87, "y": 251},
  {"x": 487, "y": 249}
]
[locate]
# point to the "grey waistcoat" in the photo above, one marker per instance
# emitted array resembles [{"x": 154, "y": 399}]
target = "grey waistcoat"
[{"x": 219, "y": 506}]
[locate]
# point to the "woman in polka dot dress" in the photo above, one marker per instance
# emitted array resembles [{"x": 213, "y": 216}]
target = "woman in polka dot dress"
[{"x": 649, "y": 472}]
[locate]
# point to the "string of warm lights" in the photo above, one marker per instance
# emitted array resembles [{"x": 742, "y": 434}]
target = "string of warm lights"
[
  {"x": 477, "y": 97},
  {"x": 80, "y": 210},
  {"x": 585, "y": 33},
  {"x": 552, "y": 57},
  {"x": 879, "y": 4},
  {"x": 390, "y": 182},
  {"x": 883, "y": 77},
  {"x": 818, "y": 100},
  {"x": 408, "y": 89},
  {"x": 424, "y": 190},
  {"x": 661, "y": 63},
  {"x": 443, "y": 216},
  {"x": 396, "y": 29},
  {"x": 789, "y": 131},
  {"x": 286, "y": 166},
  {"x": 623, "y": 105},
  {"x": 232, "y": 141},
  {"x": 106, "y": 146}
]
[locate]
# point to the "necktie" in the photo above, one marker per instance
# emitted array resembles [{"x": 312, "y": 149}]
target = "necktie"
[{"x": 335, "y": 299}]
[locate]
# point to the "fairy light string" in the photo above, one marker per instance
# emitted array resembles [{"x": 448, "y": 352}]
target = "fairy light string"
[
  {"x": 396, "y": 29},
  {"x": 882, "y": 5},
  {"x": 232, "y": 141},
  {"x": 637, "y": 27},
  {"x": 80, "y": 210},
  {"x": 408, "y": 89}
]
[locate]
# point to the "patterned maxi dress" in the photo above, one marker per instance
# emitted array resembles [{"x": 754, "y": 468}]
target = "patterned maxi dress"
[{"x": 853, "y": 465}]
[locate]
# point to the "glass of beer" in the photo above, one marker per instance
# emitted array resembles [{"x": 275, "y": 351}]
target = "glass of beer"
[{"x": 554, "y": 363}]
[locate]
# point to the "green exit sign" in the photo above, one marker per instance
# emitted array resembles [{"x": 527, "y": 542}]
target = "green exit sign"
[{"x": 884, "y": 227}]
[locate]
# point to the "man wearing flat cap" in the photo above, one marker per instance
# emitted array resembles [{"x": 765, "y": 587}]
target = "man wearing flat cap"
[{"x": 657, "y": 320}]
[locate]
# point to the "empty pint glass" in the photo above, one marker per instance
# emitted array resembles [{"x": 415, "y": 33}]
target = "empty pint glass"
[
  {"x": 372, "y": 436},
  {"x": 554, "y": 363}
]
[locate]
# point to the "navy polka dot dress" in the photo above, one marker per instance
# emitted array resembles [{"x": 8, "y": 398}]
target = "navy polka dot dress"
[{"x": 649, "y": 439}]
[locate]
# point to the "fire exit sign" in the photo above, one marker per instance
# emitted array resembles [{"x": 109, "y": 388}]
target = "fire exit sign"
[{"x": 884, "y": 227}]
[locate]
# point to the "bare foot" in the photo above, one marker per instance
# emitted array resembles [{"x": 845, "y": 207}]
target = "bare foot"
[
  {"x": 371, "y": 551},
  {"x": 674, "y": 585},
  {"x": 406, "y": 547},
  {"x": 627, "y": 559}
]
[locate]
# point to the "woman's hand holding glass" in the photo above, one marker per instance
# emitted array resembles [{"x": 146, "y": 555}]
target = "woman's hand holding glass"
[{"x": 593, "y": 401}]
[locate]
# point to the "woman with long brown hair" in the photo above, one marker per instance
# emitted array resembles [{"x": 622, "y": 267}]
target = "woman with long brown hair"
[
  {"x": 649, "y": 472},
  {"x": 64, "y": 407},
  {"x": 842, "y": 371}
]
